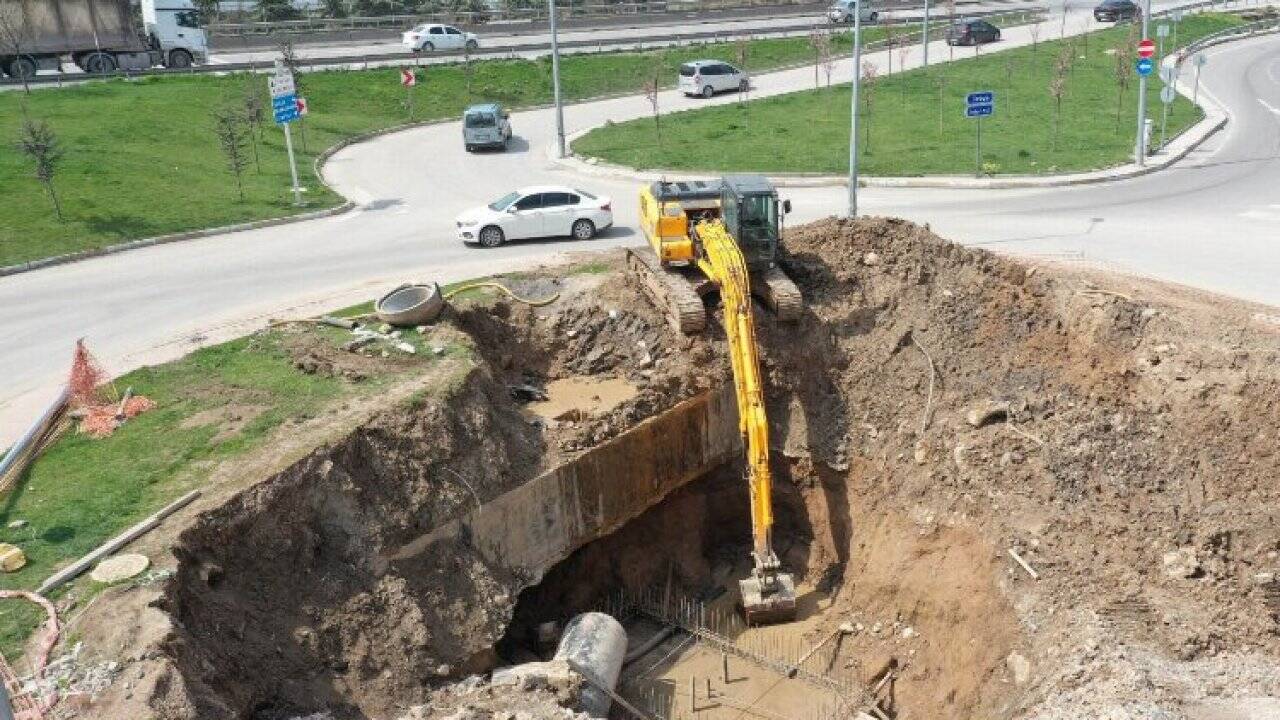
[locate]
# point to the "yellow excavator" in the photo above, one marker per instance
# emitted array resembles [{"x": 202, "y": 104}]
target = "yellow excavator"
[{"x": 729, "y": 232}]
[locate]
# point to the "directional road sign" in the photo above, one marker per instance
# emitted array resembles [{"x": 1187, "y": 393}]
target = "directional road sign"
[
  {"x": 1168, "y": 74},
  {"x": 281, "y": 85},
  {"x": 1162, "y": 30},
  {"x": 285, "y": 108},
  {"x": 1146, "y": 48},
  {"x": 1145, "y": 66},
  {"x": 408, "y": 78},
  {"x": 1201, "y": 60},
  {"x": 1167, "y": 94},
  {"x": 303, "y": 109},
  {"x": 979, "y": 104}
]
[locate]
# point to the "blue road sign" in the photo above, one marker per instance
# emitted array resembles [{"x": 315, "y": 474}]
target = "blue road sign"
[
  {"x": 980, "y": 98},
  {"x": 979, "y": 104},
  {"x": 285, "y": 108},
  {"x": 974, "y": 111},
  {"x": 1145, "y": 66}
]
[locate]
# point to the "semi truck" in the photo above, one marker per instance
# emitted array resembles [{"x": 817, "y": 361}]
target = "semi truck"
[{"x": 98, "y": 36}]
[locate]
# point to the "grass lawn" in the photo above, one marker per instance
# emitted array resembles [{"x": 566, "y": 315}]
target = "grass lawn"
[
  {"x": 141, "y": 158},
  {"x": 913, "y": 123},
  {"x": 83, "y": 491}
]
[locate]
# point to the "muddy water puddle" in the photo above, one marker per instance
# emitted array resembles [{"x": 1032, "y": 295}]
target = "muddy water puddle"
[{"x": 578, "y": 398}]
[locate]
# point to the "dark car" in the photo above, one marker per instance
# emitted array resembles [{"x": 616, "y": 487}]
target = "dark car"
[
  {"x": 1116, "y": 10},
  {"x": 972, "y": 32}
]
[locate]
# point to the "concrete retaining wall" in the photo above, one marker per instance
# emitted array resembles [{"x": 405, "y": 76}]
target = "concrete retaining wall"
[{"x": 531, "y": 528}]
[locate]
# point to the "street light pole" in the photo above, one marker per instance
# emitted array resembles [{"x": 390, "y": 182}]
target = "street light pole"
[
  {"x": 555, "y": 79},
  {"x": 924, "y": 43},
  {"x": 853, "y": 122},
  {"x": 1140, "y": 144}
]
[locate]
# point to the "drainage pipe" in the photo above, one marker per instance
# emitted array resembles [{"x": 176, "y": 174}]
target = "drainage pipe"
[
  {"x": 23, "y": 451},
  {"x": 596, "y": 643}
]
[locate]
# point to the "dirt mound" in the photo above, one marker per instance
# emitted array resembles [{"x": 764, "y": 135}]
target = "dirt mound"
[{"x": 1123, "y": 442}]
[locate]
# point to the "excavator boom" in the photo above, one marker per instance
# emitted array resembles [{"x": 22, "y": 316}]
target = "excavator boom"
[{"x": 768, "y": 595}]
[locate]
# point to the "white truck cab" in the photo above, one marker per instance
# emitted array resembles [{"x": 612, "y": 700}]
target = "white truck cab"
[{"x": 176, "y": 30}]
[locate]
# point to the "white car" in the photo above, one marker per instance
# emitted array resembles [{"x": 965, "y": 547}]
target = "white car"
[
  {"x": 842, "y": 11},
  {"x": 536, "y": 212},
  {"x": 430, "y": 37},
  {"x": 708, "y": 77}
]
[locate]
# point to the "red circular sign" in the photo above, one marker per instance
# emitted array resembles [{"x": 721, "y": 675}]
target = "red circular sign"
[{"x": 1146, "y": 48}]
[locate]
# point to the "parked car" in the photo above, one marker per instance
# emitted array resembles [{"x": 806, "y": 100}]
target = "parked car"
[
  {"x": 535, "y": 212},
  {"x": 485, "y": 125},
  {"x": 1116, "y": 10},
  {"x": 842, "y": 12},
  {"x": 972, "y": 32},
  {"x": 708, "y": 77},
  {"x": 431, "y": 37}
]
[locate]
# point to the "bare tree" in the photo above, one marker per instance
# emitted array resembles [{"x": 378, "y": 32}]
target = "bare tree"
[
  {"x": 40, "y": 144},
  {"x": 1084, "y": 38},
  {"x": 254, "y": 114},
  {"x": 231, "y": 128},
  {"x": 817, "y": 39},
  {"x": 1008, "y": 84},
  {"x": 890, "y": 36},
  {"x": 903, "y": 53},
  {"x": 951, "y": 17},
  {"x": 869, "y": 74},
  {"x": 467, "y": 70},
  {"x": 1122, "y": 76},
  {"x": 940, "y": 84},
  {"x": 651, "y": 94},
  {"x": 1057, "y": 86},
  {"x": 15, "y": 36},
  {"x": 1035, "y": 37},
  {"x": 741, "y": 50}
]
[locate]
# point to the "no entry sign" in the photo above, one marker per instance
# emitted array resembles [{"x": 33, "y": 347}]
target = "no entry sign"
[{"x": 1146, "y": 48}]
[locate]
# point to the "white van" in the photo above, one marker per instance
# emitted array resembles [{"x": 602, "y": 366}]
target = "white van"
[
  {"x": 842, "y": 12},
  {"x": 708, "y": 77}
]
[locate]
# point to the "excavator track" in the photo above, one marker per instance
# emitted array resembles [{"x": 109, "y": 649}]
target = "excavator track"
[
  {"x": 779, "y": 293},
  {"x": 669, "y": 290}
]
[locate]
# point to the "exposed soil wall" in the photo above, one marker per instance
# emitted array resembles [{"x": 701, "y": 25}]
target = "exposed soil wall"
[{"x": 935, "y": 407}]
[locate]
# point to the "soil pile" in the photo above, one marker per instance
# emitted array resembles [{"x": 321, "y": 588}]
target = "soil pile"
[{"x": 940, "y": 405}]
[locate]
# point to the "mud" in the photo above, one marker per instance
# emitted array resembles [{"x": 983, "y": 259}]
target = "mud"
[{"x": 934, "y": 407}]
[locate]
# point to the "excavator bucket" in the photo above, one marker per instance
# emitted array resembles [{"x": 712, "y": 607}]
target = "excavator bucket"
[{"x": 767, "y": 603}]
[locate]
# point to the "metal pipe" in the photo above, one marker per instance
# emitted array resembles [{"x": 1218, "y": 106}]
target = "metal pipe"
[
  {"x": 853, "y": 121},
  {"x": 20, "y": 450},
  {"x": 555, "y": 79}
]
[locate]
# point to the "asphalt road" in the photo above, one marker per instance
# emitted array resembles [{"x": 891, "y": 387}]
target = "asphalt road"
[
  {"x": 613, "y": 33},
  {"x": 1209, "y": 222}
]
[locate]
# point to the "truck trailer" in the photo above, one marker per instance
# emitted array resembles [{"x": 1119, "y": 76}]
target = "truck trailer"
[{"x": 98, "y": 36}]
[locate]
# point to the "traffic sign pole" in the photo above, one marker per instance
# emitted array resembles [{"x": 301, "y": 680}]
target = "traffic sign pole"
[
  {"x": 853, "y": 120},
  {"x": 555, "y": 78},
  {"x": 924, "y": 35},
  {"x": 293, "y": 166},
  {"x": 1140, "y": 142},
  {"x": 978, "y": 170},
  {"x": 978, "y": 105}
]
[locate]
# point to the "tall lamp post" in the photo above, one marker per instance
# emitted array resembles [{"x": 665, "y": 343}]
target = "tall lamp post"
[
  {"x": 1140, "y": 143},
  {"x": 555, "y": 79},
  {"x": 853, "y": 122}
]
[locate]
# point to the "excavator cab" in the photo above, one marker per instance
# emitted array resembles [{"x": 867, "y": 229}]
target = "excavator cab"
[{"x": 751, "y": 213}]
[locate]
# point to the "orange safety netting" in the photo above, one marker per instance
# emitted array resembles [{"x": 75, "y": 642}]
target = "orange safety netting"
[{"x": 102, "y": 413}]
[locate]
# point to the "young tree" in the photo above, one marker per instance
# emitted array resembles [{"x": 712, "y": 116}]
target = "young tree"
[
  {"x": 254, "y": 114},
  {"x": 903, "y": 53},
  {"x": 890, "y": 36},
  {"x": 270, "y": 10},
  {"x": 940, "y": 84},
  {"x": 951, "y": 17},
  {"x": 230, "y": 127},
  {"x": 651, "y": 92},
  {"x": 741, "y": 50},
  {"x": 869, "y": 74},
  {"x": 1035, "y": 37},
  {"x": 1056, "y": 88},
  {"x": 1008, "y": 85},
  {"x": 817, "y": 39},
  {"x": 334, "y": 8},
  {"x": 15, "y": 37},
  {"x": 40, "y": 144},
  {"x": 208, "y": 9},
  {"x": 1084, "y": 38},
  {"x": 1123, "y": 62}
]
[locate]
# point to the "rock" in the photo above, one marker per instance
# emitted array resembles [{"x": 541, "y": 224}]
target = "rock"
[
  {"x": 1264, "y": 578},
  {"x": 613, "y": 314},
  {"x": 1019, "y": 667},
  {"x": 987, "y": 412},
  {"x": 444, "y": 670},
  {"x": 1181, "y": 563},
  {"x": 384, "y": 328},
  {"x": 871, "y": 259},
  {"x": 875, "y": 629},
  {"x": 921, "y": 453},
  {"x": 17, "y": 524},
  {"x": 571, "y": 334},
  {"x": 908, "y": 632},
  {"x": 1148, "y": 313},
  {"x": 437, "y": 350}
]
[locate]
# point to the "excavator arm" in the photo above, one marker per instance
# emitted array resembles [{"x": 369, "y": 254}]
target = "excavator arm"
[{"x": 768, "y": 595}]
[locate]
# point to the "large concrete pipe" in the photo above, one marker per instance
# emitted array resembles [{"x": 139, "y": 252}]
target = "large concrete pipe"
[{"x": 595, "y": 643}]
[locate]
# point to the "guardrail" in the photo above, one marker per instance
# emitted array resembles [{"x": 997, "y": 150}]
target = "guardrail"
[
  {"x": 513, "y": 51},
  {"x": 1252, "y": 28}
]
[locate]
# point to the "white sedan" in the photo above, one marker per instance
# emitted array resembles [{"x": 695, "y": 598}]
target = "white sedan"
[
  {"x": 536, "y": 212},
  {"x": 432, "y": 37}
]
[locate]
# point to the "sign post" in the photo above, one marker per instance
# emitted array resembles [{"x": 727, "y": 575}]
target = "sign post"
[
  {"x": 978, "y": 105},
  {"x": 408, "y": 79},
  {"x": 1177, "y": 18},
  {"x": 1162, "y": 32},
  {"x": 1146, "y": 48},
  {"x": 286, "y": 108},
  {"x": 1200, "y": 63}
]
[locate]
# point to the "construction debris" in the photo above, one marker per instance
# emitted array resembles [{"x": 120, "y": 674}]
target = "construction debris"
[
  {"x": 120, "y": 567},
  {"x": 12, "y": 559}
]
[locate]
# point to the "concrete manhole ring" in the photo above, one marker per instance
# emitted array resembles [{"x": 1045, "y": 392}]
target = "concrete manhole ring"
[{"x": 120, "y": 567}]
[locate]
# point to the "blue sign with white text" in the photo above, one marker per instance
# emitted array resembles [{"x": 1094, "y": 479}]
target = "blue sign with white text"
[
  {"x": 1145, "y": 66},
  {"x": 285, "y": 108},
  {"x": 974, "y": 111},
  {"x": 980, "y": 98},
  {"x": 979, "y": 104}
]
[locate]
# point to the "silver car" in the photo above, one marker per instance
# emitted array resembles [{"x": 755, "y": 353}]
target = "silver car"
[
  {"x": 708, "y": 77},
  {"x": 842, "y": 11}
]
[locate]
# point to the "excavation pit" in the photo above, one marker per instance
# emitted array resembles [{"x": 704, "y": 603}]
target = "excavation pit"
[{"x": 376, "y": 574}]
